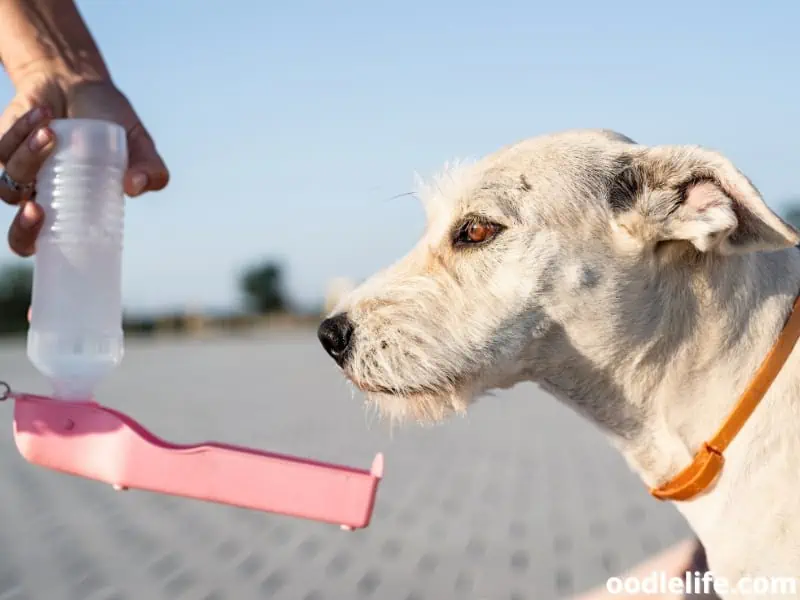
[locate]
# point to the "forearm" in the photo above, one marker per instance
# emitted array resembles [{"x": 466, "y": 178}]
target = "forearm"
[{"x": 47, "y": 33}]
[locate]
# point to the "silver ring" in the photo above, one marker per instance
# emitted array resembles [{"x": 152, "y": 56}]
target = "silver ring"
[{"x": 13, "y": 184}]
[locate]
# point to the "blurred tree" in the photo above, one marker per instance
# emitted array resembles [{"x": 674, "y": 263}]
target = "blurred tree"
[
  {"x": 263, "y": 288},
  {"x": 16, "y": 282}
]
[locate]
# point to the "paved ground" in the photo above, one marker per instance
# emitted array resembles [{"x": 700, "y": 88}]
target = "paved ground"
[{"x": 518, "y": 501}]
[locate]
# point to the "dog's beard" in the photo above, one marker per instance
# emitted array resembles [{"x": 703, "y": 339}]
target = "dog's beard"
[
  {"x": 410, "y": 375},
  {"x": 425, "y": 354},
  {"x": 423, "y": 407}
]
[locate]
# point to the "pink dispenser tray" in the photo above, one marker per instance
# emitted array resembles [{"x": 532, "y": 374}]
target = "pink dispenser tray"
[{"x": 96, "y": 442}]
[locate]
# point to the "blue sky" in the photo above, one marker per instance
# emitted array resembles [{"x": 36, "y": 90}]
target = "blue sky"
[{"x": 289, "y": 126}]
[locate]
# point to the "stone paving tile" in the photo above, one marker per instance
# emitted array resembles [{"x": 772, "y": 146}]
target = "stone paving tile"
[{"x": 520, "y": 500}]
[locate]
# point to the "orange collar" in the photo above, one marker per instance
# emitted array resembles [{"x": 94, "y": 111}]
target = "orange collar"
[{"x": 708, "y": 462}]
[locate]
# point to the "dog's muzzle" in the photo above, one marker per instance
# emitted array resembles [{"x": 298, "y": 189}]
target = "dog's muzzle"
[{"x": 336, "y": 336}]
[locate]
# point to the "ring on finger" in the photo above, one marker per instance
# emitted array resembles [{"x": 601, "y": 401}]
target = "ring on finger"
[{"x": 13, "y": 184}]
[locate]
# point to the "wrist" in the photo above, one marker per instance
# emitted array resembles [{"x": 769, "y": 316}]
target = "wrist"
[
  {"x": 48, "y": 37},
  {"x": 35, "y": 69}
]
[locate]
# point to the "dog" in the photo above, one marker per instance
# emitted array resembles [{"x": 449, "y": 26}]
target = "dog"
[{"x": 640, "y": 285}]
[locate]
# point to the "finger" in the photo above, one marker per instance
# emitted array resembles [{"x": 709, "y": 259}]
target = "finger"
[
  {"x": 29, "y": 314},
  {"x": 13, "y": 113},
  {"x": 20, "y": 130},
  {"x": 13, "y": 193},
  {"x": 25, "y": 228},
  {"x": 25, "y": 163},
  {"x": 146, "y": 168}
]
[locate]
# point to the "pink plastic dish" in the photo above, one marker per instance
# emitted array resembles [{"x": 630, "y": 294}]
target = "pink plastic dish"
[{"x": 96, "y": 442}]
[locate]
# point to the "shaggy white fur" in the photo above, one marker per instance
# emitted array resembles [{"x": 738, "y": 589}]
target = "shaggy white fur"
[{"x": 640, "y": 285}]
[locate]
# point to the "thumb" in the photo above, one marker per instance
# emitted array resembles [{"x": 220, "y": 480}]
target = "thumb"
[{"x": 146, "y": 169}]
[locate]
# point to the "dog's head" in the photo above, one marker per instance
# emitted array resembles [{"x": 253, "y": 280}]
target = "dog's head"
[{"x": 563, "y": 260}]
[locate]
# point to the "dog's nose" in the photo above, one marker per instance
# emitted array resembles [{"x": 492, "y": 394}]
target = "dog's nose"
[{"x": 335, "y": 334}]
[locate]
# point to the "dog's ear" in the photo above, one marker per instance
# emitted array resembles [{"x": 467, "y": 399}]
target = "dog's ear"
[{"x": 695, "y": 195}]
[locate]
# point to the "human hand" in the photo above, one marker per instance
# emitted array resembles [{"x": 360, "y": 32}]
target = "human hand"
[{"x": 27, "y": 141}]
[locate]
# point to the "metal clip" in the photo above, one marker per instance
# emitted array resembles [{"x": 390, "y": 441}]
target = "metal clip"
[{"x": 5, "y": 391}]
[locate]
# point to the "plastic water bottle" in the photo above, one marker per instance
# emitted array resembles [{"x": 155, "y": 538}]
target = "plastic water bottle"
[{"x": 75, "y": 336}]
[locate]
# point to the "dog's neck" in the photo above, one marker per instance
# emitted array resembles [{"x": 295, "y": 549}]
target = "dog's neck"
[
  {"x": 678, "y": 390},
  {"x": 750, "y": 520}
]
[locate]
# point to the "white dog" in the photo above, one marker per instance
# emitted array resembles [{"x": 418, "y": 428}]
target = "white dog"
[{"x": 643, "y": 286}]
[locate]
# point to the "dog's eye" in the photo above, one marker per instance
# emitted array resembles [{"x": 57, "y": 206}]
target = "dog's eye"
[{"x": 476, "y": 231}]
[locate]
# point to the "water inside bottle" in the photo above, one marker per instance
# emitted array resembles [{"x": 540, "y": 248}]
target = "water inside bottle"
[
  {"x": 75, "y": 363},
  {"x": 75, "y": 338}
]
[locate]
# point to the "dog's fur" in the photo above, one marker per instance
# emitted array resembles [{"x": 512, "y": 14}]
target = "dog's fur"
[{"x": 640, "y": 285}]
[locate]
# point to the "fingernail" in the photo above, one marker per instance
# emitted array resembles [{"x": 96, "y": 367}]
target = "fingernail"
[
  {"x": 35, "y": 115},
  {"x": 138, "y": 182},
  {"x": 39, "y": 140},
  {"x": 28, "y": 218}
]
